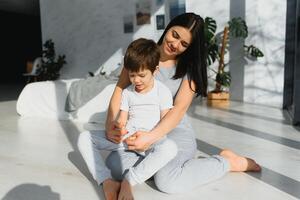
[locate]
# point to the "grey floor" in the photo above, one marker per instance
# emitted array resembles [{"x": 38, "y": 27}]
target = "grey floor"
[{"x": 39, "y": 159}]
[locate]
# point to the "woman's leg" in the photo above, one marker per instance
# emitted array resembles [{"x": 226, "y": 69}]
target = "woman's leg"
[
  {"x": 239, "y": 163},
  {"x": 184, "y": 172}
]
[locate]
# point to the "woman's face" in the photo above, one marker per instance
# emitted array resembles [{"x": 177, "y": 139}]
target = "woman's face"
[{"x": 176, "y": 41}]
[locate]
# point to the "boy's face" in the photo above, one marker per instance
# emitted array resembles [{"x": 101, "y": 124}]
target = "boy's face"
[{"x": 142, "y": 80}]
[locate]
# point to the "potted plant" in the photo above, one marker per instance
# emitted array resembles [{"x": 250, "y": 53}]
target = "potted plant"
[
  {"x": 50, "y": 64},
  {"x": 217, "y": 47}
]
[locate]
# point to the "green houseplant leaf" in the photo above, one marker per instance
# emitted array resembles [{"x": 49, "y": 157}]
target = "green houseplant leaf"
[
  {"x": 212, "y": 53},
  {"x": 253, "y": 51},
  {"x": 238, "y": 27},
  {"x": 224, "y": 79},
  {"x": 210, "y": 27},
  {"x": 50, "y": 65}
]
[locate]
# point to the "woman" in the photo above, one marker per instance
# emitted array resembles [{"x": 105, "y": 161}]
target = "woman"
[{"x": 183, "y": 70}]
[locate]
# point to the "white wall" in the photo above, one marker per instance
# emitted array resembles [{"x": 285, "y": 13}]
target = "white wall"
[
  {"x": 264, "y": 79},
  {"x": 90, "y": 34}
]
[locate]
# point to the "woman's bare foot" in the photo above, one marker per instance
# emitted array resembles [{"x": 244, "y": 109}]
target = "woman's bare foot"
[
  {"x": 125, "y": 191},
  {"x": 111, "y": 189},
  {"x": 239, "y": 163}
]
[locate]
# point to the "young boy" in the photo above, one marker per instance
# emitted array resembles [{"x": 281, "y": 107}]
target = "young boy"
[{"x": 143, "y": 104}]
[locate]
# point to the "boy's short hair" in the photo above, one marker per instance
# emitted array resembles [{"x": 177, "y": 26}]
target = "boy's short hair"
[{"x": 142, "y": 54}]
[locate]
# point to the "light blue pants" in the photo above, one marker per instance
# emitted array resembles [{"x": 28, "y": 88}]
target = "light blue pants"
[
  {"x": 91, "y": 143},
  {"x": 184, "y": 172}
]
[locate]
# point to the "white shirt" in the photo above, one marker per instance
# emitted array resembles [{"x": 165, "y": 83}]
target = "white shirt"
[{"x": 144, "y": 108}]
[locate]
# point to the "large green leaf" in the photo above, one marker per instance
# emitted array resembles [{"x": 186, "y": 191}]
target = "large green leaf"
[
  {"x": 212, "y": 53},
  {"x": 254, "y": 51},
  {"x": 210, "y": 27},
  {"x": 224, "y": 79},
  {"x": 238, "y": 27}
]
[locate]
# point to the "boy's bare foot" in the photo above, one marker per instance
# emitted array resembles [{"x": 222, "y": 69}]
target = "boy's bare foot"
[
  {"x": 239, "y": 163},
  {"x": 111, "y": 189},
  {"x": 125, "y": 191}
]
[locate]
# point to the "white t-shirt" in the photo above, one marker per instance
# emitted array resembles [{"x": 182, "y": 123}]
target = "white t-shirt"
[{"x": 144, "y": 108}]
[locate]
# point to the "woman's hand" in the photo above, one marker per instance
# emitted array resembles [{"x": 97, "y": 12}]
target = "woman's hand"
[
  {"x": 115, "y": 132},
  {"x": 140, "y": 141}
]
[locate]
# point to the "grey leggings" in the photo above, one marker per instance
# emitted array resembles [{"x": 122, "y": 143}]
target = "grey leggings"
[{"x": 184, "y": 172}]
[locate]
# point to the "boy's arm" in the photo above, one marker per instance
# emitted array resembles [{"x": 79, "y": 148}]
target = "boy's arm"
[
  {"x": 114, "y": 106},
  {"x": 122, "y": 118}
]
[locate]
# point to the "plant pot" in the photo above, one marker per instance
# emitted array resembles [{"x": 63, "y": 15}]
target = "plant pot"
[
  {"x": 218, "y": 99},
  {"x": 218, "y": 95}
]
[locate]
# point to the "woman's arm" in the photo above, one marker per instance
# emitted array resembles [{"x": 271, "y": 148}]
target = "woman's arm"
[
  {"x": 164, "y": 112},
  {"x": 112, "y": 133},
  {"x": 182, "y": 102}
]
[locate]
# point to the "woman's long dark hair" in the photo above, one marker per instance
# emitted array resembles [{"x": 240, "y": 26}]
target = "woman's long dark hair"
[{"x": 193, "y": 60}]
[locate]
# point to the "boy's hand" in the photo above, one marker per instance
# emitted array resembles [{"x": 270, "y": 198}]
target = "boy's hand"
[{"x": 115, "y": 132}]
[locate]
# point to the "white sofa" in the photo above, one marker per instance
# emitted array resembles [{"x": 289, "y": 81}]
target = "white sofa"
[{"x": 47, "y": 99}]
